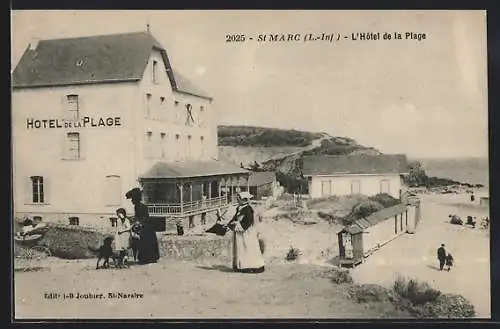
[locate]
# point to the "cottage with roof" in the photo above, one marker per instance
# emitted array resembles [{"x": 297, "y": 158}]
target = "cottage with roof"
[
  {"x": 354, "y": 174},
  {"x": 262, "y": 184},
  {"x": 94, "y": 116}
]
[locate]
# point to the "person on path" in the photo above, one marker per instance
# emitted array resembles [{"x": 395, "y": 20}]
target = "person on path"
[
  {"x": 441, "y": 255},
  {"x": 148, "y": 243},
  {"x": 449, "y": 262}
]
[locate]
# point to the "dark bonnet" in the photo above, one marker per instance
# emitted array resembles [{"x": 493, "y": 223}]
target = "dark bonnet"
[{"x": 134, "y": 193}]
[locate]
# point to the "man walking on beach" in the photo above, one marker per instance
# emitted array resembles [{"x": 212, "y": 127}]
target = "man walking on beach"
[{"x": 441, "y": 254}]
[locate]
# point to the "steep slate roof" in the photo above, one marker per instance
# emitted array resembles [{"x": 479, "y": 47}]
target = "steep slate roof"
[
  {"x": 104, "y": 59},
  {"x": 355, "y": 164},
  {"x": 387, "y": 213},
  {"x": 192, "y": 169},
  {"x": 259, "y": 178}
]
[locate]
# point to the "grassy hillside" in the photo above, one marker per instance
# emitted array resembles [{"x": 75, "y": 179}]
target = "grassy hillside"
[
  {"x": 267, "y": 137},
  {"x": 281, "y": 150}
]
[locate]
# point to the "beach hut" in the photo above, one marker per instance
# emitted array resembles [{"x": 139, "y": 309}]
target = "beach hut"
[
  {"x": 366, "y": 235},
  {"x": 414, "y": 214}
]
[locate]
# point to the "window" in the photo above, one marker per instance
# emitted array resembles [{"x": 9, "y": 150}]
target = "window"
[
  {"x": 148, "y": 141},
  {"x": 201, "y": 117},
  {"x": 73, "y": 107},
  {"x": 326, "y": 188},
  {"x": 355, "y": 187},
  {"x": 163, "y": 109},
  {"x": 72, "y": 146},
  {"x": 178, "y": 147},
  {"x": 148, "y": 105},
  {"x": 163, "y": 145},
  {"x": 155, "y": 72},
  {"x": 189, "y": 115},
  {"x": 37, "y": 189},
  {"x": 177, "y": 113},
  {"x": 202, "y": 146},
  {"x": 74, "y": 221},
  {"x": 188, "y": 148},
  {"x": 113, "y": 190},
  {"x": 385, "y": 186}
]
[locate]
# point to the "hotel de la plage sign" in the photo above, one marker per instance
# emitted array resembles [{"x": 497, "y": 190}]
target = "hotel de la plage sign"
[{"x": 84, "y": 122}]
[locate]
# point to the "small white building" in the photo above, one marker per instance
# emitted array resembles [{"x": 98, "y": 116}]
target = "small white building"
[
  {"x": 95, "y": 116},
  {"x": 354, "y": 174}
]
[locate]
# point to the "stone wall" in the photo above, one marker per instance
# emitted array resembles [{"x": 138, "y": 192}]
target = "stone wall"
[{"x": 73, "y": 242}]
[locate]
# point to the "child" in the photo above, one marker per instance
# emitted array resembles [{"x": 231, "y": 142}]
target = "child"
[
  {"x": 122, "y": 233},
  {"x": 449, "y": 262}
]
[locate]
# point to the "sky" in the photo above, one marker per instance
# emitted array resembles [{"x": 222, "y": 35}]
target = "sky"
[{"x": 425, "y": 98}]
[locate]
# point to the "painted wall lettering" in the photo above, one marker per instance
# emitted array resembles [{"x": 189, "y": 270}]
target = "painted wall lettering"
[{"x": 85, "y": 122}]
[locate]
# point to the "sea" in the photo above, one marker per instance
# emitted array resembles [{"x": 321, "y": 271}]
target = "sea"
[{"x": 465, "y": 170}]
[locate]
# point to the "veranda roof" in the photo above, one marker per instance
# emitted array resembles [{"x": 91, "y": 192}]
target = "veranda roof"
[{"x": 187, "y": 169}]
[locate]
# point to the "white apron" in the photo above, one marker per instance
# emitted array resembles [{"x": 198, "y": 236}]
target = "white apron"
[
  {"x": 246, "y": 250},
  {"x": 122, "y": 241}
]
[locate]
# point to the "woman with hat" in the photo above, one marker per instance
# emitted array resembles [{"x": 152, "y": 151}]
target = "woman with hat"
[
  {"x": 148, "y": 243},
  {"x": 247, "y": 256}
]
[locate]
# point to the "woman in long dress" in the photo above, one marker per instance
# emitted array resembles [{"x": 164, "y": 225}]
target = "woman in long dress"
[
  {"x": 247, "y": 255},
  {"x": 122, "y": 233},
  {"x": 148, "y": 243}
]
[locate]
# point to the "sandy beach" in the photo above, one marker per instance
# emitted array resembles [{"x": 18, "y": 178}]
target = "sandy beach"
[{"x": 415, "y": 255}]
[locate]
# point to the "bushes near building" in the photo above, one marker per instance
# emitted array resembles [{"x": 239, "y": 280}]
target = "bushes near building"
[
  {"x": 386, "y": 200},
  {"x": 365, "y": 209}
]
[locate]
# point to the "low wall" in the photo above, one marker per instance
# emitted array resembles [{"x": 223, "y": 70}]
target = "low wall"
[
  {"x": 72, "y": 242},
  {"x": 69, "y": 242},
  {"x": 196, "y": 248}
]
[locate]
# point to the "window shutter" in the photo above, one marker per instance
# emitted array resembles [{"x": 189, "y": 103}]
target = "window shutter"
[
  {"x": 118, "y": 190},
  {"x": 47, "y": 187},
  {"x": 28, "y": 190},
  {"x": 63, "y": 110},
  {"x": 80, "y": 107},
  {"x": 82, "y": 147},
  {"x": 107, "y": 191},
  {"x": 64, "y": 146}
]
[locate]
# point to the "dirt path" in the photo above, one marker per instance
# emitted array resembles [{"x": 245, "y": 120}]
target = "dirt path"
[
  {"x": 415, "y": 255},
  {"x": 184, "y": 290}
]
